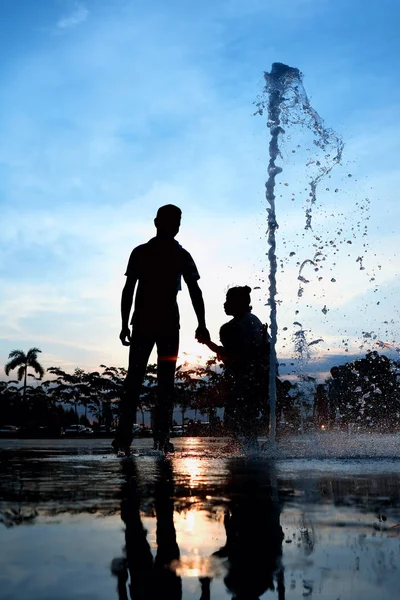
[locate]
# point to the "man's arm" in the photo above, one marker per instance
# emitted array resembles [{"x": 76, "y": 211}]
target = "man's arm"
[
  {"x": 126, "y": 305},
  {"x": 202, "y": 334}
]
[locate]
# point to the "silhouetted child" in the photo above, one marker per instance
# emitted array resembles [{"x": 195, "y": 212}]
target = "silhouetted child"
[
  {"x": 245, "y": 353},
  {"x": 254, "y": 535}
]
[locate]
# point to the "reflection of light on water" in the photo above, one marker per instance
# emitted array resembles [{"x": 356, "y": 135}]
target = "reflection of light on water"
[
  {"x": 199, "y": 533},
  {"x": 360, "y": 551},
  {"x": 198, "y": 566},
  {"x": 190, "y": 526},
  {"x": 194, "y": 468},
  {"x": 190, "y": 520}
]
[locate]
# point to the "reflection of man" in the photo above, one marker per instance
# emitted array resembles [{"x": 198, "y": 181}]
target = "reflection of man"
[
  {"x": 150, "y": 579},
  {"x": 157, "y": 268}
]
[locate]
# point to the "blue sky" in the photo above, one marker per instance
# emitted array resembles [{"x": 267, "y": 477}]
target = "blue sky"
[{"x": 109, "y": 109}]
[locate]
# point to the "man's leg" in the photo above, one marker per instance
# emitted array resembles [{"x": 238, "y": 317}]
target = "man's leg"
[
  {"x": 140, "y": 349},
  {"x": 167, "y": 583},
  {"x": 167, "y": 348}
]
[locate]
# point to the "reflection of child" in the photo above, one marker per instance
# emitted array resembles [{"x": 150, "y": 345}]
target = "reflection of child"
[{"x": 244, "y": 352}]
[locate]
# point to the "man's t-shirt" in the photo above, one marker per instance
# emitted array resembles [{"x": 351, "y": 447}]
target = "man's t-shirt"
[{"x": 159, "y": 266}]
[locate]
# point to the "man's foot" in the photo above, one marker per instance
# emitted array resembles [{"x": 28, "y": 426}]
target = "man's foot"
[
  {"x": 162, "y": 444},
  {"x": 122, "y": 448},
  {"x": 168, "y": 447},
  {"x": 158, "y": 445},
  {"x": 124, "y": 452}
]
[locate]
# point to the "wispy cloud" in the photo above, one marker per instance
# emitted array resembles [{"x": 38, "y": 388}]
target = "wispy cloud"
[
  {"x": 105, "y": 127},
  {"x": 78, "y": 15}
]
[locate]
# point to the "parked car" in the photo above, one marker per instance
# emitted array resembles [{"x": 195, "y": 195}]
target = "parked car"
[
  {"x": 145, "y": 432},
  {"x": 104, "y": 431},
  {"x": 87, "y": 431},
  {"x": 177, "y": 431},
  {"x": 136, "y": 429},
  {"x": 78, "y": 430},
  {"x": 9, "y": 431}
]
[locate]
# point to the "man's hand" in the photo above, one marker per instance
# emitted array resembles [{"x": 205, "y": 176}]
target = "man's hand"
[
  {"x": 125, "y": 336},
  {"x": 202, "y": 335}
]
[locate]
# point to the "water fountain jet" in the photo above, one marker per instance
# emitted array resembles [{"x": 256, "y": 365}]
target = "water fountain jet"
[{"x": 288, "y": 104}]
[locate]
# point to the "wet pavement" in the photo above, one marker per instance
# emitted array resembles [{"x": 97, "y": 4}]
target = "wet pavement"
[{"x": 318, "y": 518}]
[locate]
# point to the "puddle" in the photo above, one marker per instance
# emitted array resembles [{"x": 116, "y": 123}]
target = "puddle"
[{"x": 77, "y": 523}]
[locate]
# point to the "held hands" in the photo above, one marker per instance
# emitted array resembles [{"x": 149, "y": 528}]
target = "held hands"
[
  {"x": 125, "y": 336},
  {"x": 202, "y": 335}
]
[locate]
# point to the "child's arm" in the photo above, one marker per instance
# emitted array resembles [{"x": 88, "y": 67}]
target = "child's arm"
[
  {"x": 220, "y": 351},
  {"x": 214, "y": 347}
]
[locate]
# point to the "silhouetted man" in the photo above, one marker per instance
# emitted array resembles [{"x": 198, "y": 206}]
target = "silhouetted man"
[{"x": 157, "y": 268}]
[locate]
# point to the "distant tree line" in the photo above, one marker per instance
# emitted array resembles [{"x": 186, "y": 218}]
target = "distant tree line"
[
  {"x": 92, "y": 396},
  {"x": 364, "y": 393}
]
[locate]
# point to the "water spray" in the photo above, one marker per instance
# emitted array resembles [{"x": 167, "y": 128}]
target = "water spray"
[
  {"x": 276, "y": 84},
  {"x": 288, "y": 104}
]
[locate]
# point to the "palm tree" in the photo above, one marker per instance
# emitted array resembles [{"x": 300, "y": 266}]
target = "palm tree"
[
  {"x": 21, "y": 361},
  {"x": 70, "y": 388}
]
